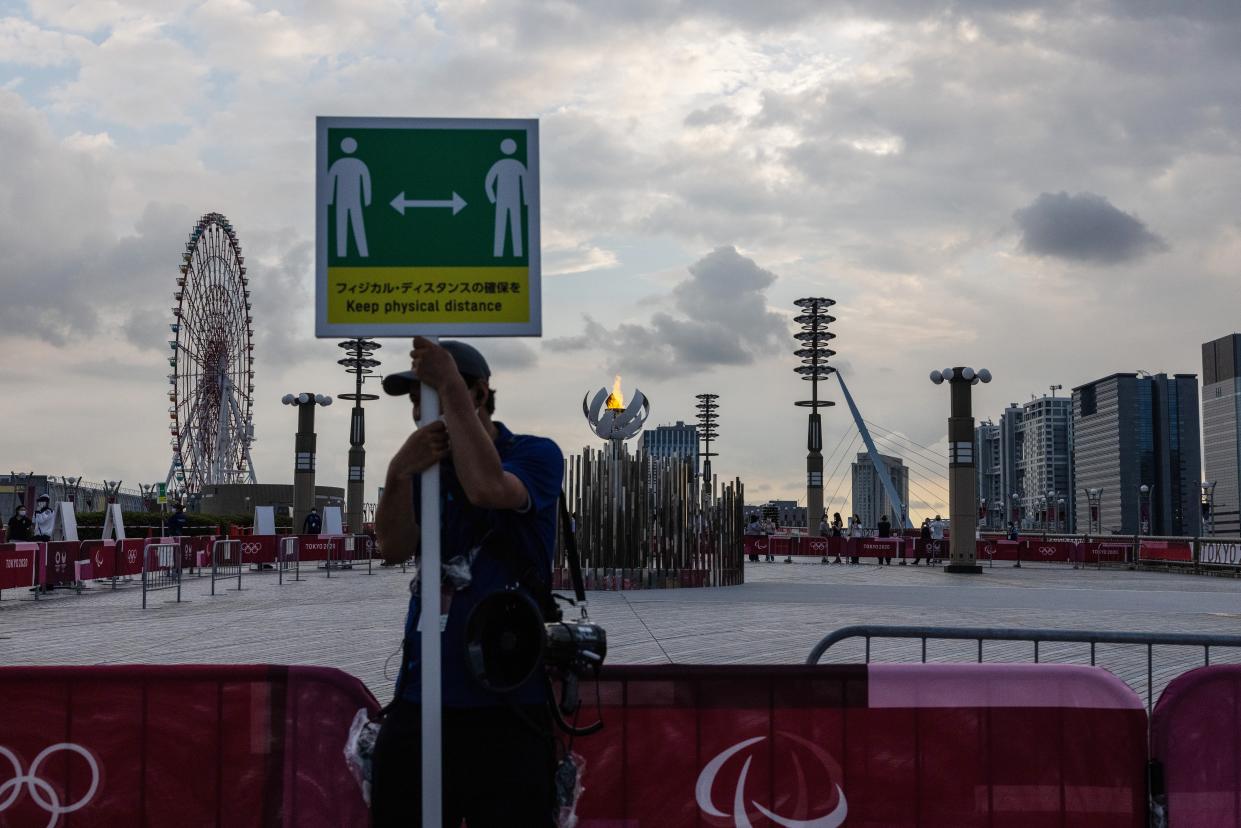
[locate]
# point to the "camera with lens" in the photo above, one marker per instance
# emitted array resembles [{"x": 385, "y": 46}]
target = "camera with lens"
[
  {"x": 508, "y": 641},
  {"x": 513, "y": 635}
]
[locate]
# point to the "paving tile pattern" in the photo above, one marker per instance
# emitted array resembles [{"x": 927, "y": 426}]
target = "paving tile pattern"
[{"x": 353, "y": 621}]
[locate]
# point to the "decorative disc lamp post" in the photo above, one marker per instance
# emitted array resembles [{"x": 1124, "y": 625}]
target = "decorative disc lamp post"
[
  {"x": 360, "y": 362},
  {"x": 708, "y": 430},
  {"x": 962, "y": 476},
  {"x": 813, "y": 350},
  {"x": 304, "y": 453}
]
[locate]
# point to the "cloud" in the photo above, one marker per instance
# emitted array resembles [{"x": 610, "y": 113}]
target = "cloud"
[
  {"x": 722, "y": 319},
  {"x": 505, "y": 356},
  {"x": 22, "y": 42},
  {"x": 712, "y": 115},
  {"x": 1084, "y": 228}
]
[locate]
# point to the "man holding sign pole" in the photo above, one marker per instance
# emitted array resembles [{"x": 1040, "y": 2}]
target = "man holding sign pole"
[{"x": 497, "y": 526}]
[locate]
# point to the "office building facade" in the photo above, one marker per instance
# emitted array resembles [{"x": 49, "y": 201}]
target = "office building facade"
[
  {"x": 680, "y": 440},
  {"x": 1044, "y": 464},
  {"x": 1027, "y": 454},
  {"x": 1221, "y": 430},
  {"x": 988, "y": 460},
  {"x": 1132, "y": 430},
  {"x": 870, "y": 501}
]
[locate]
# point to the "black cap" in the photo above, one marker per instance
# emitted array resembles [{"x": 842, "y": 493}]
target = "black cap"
[{"x": 469, "y": 362}]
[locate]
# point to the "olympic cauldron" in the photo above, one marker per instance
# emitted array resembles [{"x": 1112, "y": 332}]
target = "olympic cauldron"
[{"x": 610, "y": 418}]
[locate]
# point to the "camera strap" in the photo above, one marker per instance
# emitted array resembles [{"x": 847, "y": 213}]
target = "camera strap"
[{"x": 570, "y": 550}]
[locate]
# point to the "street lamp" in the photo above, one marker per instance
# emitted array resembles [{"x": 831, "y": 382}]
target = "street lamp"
[
  {"x": 1094, "y": 498},
  {"x": 304, "y": 453},
  {"x": 813, "y": 340},
  {"x": 1016, "y": 510},
  {"x": 1144, "y": 510},
  {"x": 1208, "y": 507},
  {"x": 360, "y": 362},
  {"x": 1051, "y": 519},
  {"x": 962, "y": 475}
]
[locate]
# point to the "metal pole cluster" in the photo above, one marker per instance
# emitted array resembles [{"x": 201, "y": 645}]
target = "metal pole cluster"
[
  {"x": 708, "y": 430},
  {"x": 813, "y": 351},
  {"x": 360, "y": 362},
  {"x": 665, "y": 535}
]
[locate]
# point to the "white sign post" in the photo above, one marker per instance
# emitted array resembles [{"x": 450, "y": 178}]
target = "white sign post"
[
  {"x": 427, "y": 227},
  {"x": 264, "y": 520},
  {"x": 332, "y": 521},
  {"x": 429, "y": 601}
]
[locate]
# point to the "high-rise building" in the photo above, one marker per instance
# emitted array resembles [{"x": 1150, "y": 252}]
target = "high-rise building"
[
  {"x": 1026, "y": 455},
  {"x": 870, "y": 501},
  {"x": 1221, "y": 430},
  {"x": 680, "y": 440},
  {"x": 1011, "y": 445},
  {"x": 992, "y": 496},
  {"x": 1132, "y": 430},
  {"x": 1045, "y": 463}
]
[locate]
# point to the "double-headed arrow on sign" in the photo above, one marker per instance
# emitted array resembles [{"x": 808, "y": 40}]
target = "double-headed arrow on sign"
[{"x": 457, "y": 203}]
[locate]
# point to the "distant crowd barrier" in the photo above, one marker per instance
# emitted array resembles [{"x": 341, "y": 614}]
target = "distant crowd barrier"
[
  {"x": 192, "y": 745},
  {"x": 1200, "y": 553},
  {"x": 161, "y": 569},
  {"x": 164, "y": 563}
]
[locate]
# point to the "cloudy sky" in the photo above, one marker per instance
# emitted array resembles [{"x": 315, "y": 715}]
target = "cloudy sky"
[{"x": 1049, "y": 190}]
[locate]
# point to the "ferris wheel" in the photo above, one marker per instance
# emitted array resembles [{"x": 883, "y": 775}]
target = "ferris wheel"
[{"x": 211, "y": 384}]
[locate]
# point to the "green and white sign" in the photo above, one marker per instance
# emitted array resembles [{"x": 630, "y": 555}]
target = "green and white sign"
[{"x": 427, "y": 226}]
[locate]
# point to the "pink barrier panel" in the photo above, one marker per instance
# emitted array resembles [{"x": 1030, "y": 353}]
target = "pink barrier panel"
[
  {"x": 1106, "y": 552},
  {"x": 259, "y": 549},
  {"x": 320, "y": 547},
  {"x": 59, "y": 558},
  {"x": 801, "y": 545},
  {"x": 931, "y": 548},
  {"x": 1040, "y": 550},
  {"x": 17, "y": 562},
  {"x": 195, "y": 550},
  {"x": 1154, "y": 550},
  {"x": 180, "y": 746},
  {"x": 1195, "y": 734},
  {"x": 996, "y": 550},
  {"x": 97, "y": 559},
  {"x": 129, "y": 556},
  {"x": 875, "y": 547},
  {"x": 885, "y": 745}
]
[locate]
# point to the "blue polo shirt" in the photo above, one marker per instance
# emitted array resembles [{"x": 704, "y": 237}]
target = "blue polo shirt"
[{"x": 530, "y": 536}]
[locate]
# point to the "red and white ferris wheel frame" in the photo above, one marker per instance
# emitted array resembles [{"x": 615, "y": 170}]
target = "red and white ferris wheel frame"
[{"x": 211, "y": 383}]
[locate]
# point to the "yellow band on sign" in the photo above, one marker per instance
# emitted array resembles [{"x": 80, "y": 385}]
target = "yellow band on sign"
[{"x": 428, "y": 294}]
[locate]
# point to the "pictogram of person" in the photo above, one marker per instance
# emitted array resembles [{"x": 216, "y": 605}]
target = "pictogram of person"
[
  {"x": 508, "y": 190},
  {"x": 349, "y": 188}
]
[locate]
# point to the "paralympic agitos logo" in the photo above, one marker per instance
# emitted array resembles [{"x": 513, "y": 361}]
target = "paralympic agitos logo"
[{"x": 823, "y": 773}]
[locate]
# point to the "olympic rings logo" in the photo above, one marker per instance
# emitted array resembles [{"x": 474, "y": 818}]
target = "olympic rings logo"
[
  {"x": 41, "y": 791},
  {"x": 251, "y": 548}
]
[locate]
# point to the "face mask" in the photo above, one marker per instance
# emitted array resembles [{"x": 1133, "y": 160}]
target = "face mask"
[{"x": 21, "y": 512}]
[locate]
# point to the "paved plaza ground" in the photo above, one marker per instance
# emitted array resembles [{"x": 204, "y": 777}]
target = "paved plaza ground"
[{"x": 353, "y": 621}]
